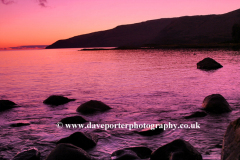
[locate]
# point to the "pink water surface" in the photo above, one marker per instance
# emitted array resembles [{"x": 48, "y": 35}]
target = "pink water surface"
[{"x": 140, "y": 85}]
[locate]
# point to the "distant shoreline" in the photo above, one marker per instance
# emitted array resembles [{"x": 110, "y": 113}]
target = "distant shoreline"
[
  {"x": 29, "y": 47},
  {"x": 234, "y": 46}
]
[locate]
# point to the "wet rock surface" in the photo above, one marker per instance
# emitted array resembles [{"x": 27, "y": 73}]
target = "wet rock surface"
[
  {"x": 73, "y": 120},
  {"x": 231, "y": 142},
  {"x": 216, "y": 103},
  {"x": 208, "y": 64},
  {"x": 65, "y": 151},
  {"x": 6, "y": 104},
  {"x": 196, "y": 115},
  {"x": 133, "y": 152},
  {"x": 124, "y": 155},
  {"x": 19, "y": 124},
  {"x": 92, "y": 106},
  {"x": 57, "y": 100},
  {"x": 176, "y": 150},
  {"x": 31, "y": 154},
  {"x": 80, "y": 139}
]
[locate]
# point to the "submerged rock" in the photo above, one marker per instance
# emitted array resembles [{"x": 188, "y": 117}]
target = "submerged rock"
[
  {"x": 65, "y": 151},
  {"x": 130, "y": 153},
  {"x": 73, "y": 120},
  {"x": 151, "y": 131},
  {"x": 6, "y": 104},
  {"x": 231, "y": 142},
  {"x": 176, "y": 150},
  {"x": 216, "y": 103},
  {"x": 218, "y": 146},
  {"x": 19, "y": 124},
  {"x": 196, "y": 115},
  {"x": 31, "y": 154},
  {"x": 82, "y": 140},
  {"x": 57, "y": 100},
  {"x": 208, "y": 64},
  {"x": 92, "y": 106}
]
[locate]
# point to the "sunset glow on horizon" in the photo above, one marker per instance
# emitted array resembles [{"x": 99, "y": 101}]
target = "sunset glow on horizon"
[{"x": 42, "y": 22}]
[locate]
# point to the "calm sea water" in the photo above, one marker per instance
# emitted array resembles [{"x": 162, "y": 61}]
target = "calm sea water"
[{"x": 143, "y": 86}]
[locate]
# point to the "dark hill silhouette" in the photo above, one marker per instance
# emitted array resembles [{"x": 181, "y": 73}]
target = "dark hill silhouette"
[{"x": 181, "y": 30}]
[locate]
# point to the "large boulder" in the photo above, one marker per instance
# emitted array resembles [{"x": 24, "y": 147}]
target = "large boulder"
[
  {"x": 216, "y": 103},
  {"x": 176, "y": 150},
  {"x": 131, "y": 153},
  {"x": 208, "y": 64},
  {"x": 65, "y": 151},
  {"x": 231, "y": 142},
  {"x": 6, "y": 104},
  {"x": 92, "y": 106},
  {"x": 73, "y": 119},
  {"x": 82, "y": 140},
  {"x": 31, "y": 154},
  {"x": 57, "y": 100}
]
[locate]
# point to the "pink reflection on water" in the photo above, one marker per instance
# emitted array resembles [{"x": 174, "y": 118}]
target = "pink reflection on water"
[{"x": 140, "y": 85}]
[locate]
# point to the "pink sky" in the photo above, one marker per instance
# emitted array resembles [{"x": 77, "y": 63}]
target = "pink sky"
[{"x": 25, "y": 22}]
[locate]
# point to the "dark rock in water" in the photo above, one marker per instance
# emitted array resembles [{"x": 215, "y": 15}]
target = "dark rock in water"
[
  {"x": 208, "y": 64},
  {"x": 231, "y": 142},
  {"x": 216, "y": 103},
  {"x": 207, "y": 152},
  {"x": 19, "y": 124},
  {"x": 124, "y": 155},
  {"x": 176, "y": 150},
  {"x": 65, "y": 151},
  {"x": 82, "y": 140},
  {"x": 6, "y": 104},
  {"x": 57, "y": 100},
  {"x": 92, "y": 106},
  {"x": 196, "y": 114},
  {"x": 150, "y": 132},
  {"x": 142, "y": 152},
  {"x": 31, "y": 154},
  {"x": 133, "y": 152},
  {"x": 73, "y": 120},
  {"x": 218, "y": 145}
]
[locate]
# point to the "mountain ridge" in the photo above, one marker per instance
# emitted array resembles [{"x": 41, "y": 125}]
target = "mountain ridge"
[{"x": 165, "y": 31}]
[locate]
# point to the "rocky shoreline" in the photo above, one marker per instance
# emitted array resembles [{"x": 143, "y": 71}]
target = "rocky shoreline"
[{"x": 76, "y": 145}]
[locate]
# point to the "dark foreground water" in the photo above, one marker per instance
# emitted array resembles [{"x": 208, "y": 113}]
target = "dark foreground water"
[{"x": 142, "y": 86}]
